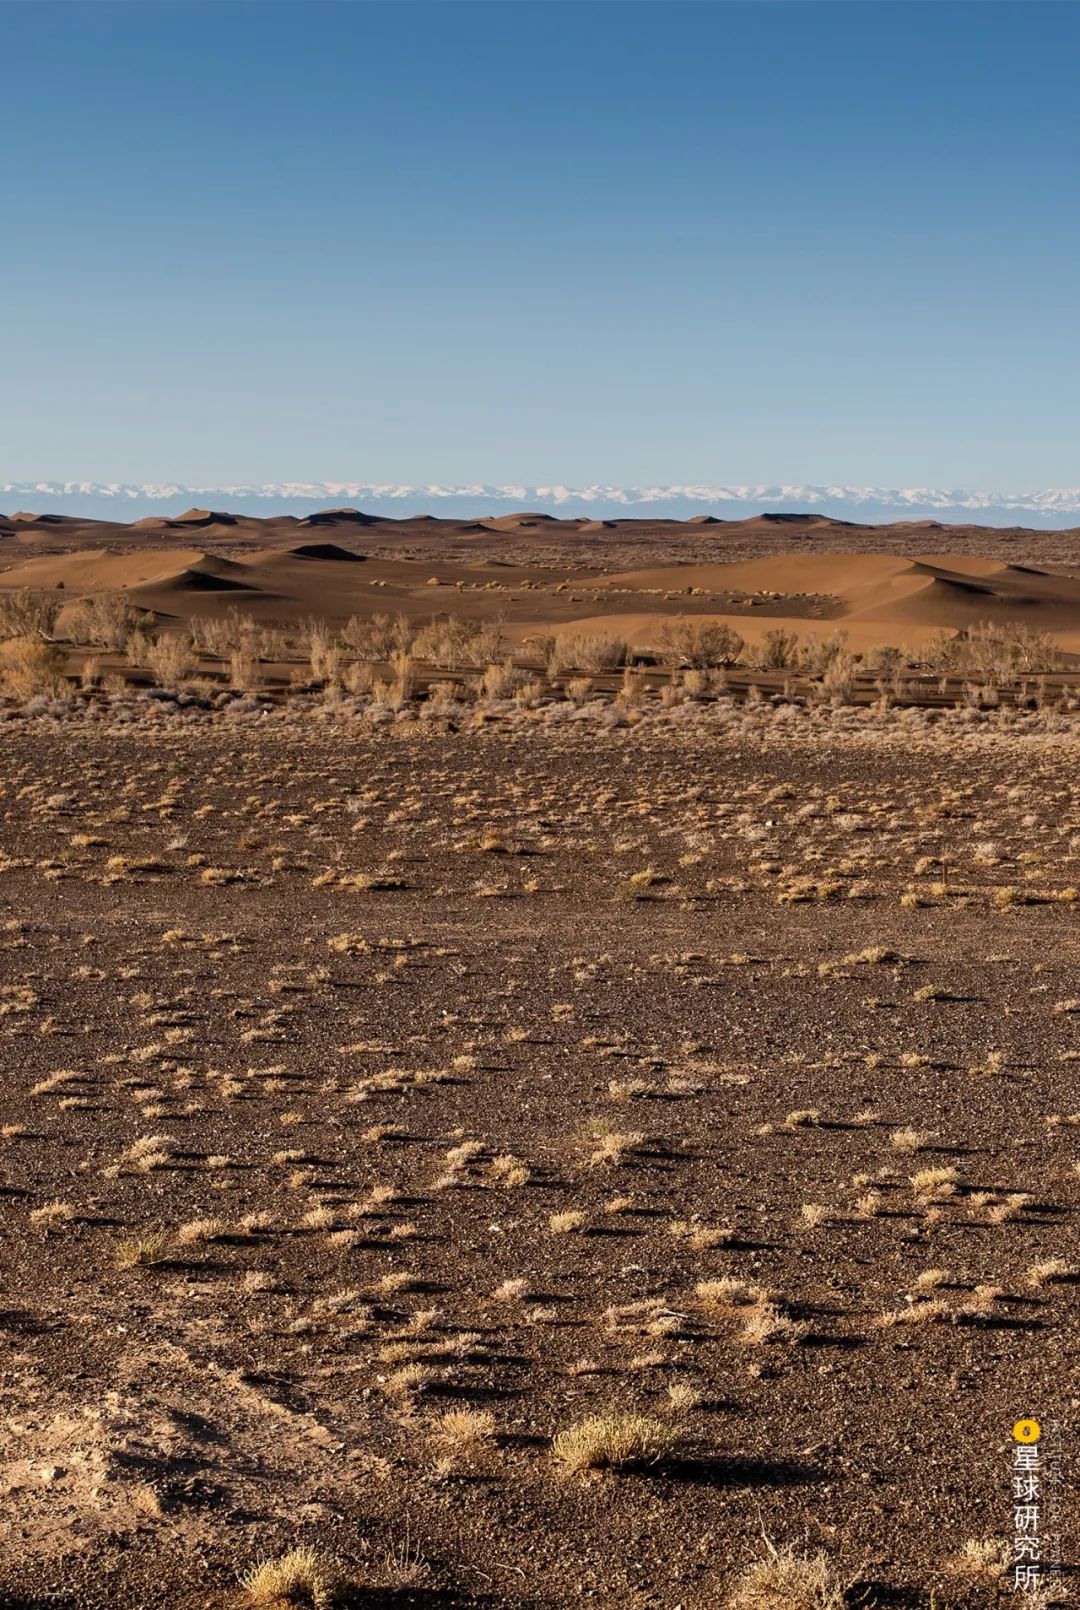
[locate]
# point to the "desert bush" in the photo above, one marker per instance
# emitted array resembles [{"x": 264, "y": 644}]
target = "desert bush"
[
  {"x": 302, "y": 1577},
  {"x": 401, "y": 664},
  {"x": 995, "y": 651},
  {"x": 378, "y": 637},
  {"x": 613, "y": 1442},
  {"x": 271, "y": 643},
  {"x": 529, "y": 692},
  {"x": 326, "y": 654},
  {"x": 578, "y": 689},
  {"x": 1010, "y": 650},
  {"x": 815, "y": 655},
  {"x": 884, "y": 659},
  {"x": 235, "y": 631},
  {"x": 777, "y": 650},
  {"x": 171, "y": 660},
  {"x": 545, "y": 648},
  {"x": 27, "y": 614},
  {"x": 28, "y": 667},
  {"x": 398, "y": 691},
  {"x": 211, "y": 636},
  {"x": 838, "y": 679},
  {"x": 701, "y": 645},
  {"x": 785, "y": 1580},
  {"x": 106, "y": 621},
  {"x": 695, "y": 683},
  {"x": 589, "y": 651},
  {"x": 502, "y": 681},
  {"x": 446, "y": 696},
  {"x": 944, "y": 652},
  {"x": 243, "y": 670},
  {"x": 138, "y": 647},
  {"x": 359, "y": 677},
  {"x": 452, "y": 643},
  {"x": 979, "y": 695},
  {"x": 631, "y": 692}
]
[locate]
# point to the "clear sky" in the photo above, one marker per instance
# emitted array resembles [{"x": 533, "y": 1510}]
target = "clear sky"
[{"x": 576, "y": 242}]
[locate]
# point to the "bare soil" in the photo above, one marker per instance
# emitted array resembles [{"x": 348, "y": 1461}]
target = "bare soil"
[{"x": 374, "y": 1003}]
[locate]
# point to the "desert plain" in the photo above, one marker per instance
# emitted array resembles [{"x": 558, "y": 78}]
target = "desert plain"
[{"x": 539, "y": 1060}]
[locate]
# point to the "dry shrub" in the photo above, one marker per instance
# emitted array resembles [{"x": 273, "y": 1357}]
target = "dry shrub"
[
  {"x": 238, "y": 631},
  {"x": 529, "y": 692},
  {"x": 398, "y": 691},
  {"x": 211, "y": 636},
  {"x": 697, "y": 683},
  {"x": 700, "y": 645},
  {"x": 981, "y": 1557},
  {"x": 379, "y": 637},
  {"x": 588, "y": 651},
  {"x": 243, "y": 670},
  {"x": 815, "y": 656},
  {"x": 106, "y": 621},
  {"x": 462, "y": 1429},
  {"x": 359, "y": 677},
  {"x": 884, "y": 659},
  {"x": 631, "y": 692},
  {"x": 777, "y": 650},
  {"x": 452, "y": 643},
  {"x": 785, "y": 1580},
  {"x": 171, "y": 660},
  {"x": 838, "y": 679},
  {"x": 27, "y": 614},
  {"x": 990, "y": 650},
  {"x": 29, "y": 667},
  {"x": 142, "y": 1252},
  {"x": 502, "y": 681},
  {"x": 138, "y": 646},
  {"x": 327, "y": 656},
  {"x": 303, "y": 1576},
  {"x": 613, "y": 1442}
]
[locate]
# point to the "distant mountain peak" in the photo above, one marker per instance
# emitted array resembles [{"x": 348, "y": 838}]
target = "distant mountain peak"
[{"x": 865, "y": 504}]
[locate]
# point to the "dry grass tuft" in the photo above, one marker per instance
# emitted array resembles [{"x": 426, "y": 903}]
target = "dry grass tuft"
[
  {"x": 785, "y": 1580},
  {"x": 613, "y": 1442},
  {"x": 465, "y": 1428},
  {"x": 983, "y": 1558},
  {"x": 303, "y": 1576},
  {"x": 142, "y": 1252}
]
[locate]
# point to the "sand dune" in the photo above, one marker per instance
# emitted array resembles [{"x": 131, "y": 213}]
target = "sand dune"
[
  {"x": 517, "y": 522},
  {"x": 541, "y": 574},
  {"x": 92, "y": 570},
  {"x": 324, "y": 550},
  {"x": 339, "y": 517},
  {"x": 881, "y": 589}
]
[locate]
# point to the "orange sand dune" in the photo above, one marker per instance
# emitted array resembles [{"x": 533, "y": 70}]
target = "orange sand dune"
[
  {"x": 837, "y": 574},
  {"x": 91, "y": 570},
  {"x": 884, "y": 589},
  {"x": 641, "y": 630},
  {"x": 873, "y": 597}
]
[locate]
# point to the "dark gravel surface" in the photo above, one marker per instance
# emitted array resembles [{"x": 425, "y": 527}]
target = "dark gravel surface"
[{"x": 645, "y": 934}]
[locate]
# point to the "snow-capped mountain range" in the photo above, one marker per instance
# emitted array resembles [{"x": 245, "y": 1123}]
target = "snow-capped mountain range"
[{"x": 1058, "y": 506}]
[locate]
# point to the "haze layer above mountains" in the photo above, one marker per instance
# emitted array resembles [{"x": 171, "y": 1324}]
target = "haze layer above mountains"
[{"x": 1044, "y": 508}]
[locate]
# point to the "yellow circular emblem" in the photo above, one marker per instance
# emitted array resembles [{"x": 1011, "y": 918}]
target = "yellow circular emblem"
[{"x": 1026, "y": 1431}]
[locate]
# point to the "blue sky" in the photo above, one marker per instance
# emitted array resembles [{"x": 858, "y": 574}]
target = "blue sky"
[{"x": 625, "y": 243}]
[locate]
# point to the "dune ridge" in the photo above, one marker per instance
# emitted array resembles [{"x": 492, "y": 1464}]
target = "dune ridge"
[{"x": 541, "y": 574}]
